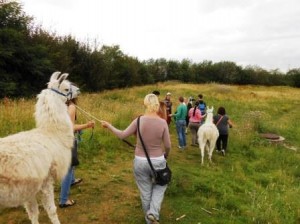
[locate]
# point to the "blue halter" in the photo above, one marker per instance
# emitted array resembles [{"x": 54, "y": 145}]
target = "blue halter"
[
  {"x": 70, "y": 94},
  {"x": 60, "y": 93}
]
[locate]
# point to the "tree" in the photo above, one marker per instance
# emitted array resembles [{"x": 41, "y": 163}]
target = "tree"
[
  {"x": 173, "y": 70},
  {"x": 185, "y": 71},
  {"x": 204, "y": 72},
  {"x": 294, "y": 76},
  {"x": 227, "y": 72},
  {"x": 22, "y": 61},
  {"x": 28, "y": 54},
  {"x": 158, "y": 69}
]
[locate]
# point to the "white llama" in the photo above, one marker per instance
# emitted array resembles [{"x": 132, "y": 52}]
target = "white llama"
[
  {"x": 208, "y": 135},
  {"x": 30, "y": 161}
]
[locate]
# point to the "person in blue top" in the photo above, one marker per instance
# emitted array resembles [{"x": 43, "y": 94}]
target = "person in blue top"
[
  {"x": 180, "y": 117},
  {"x": 202, "y": 105}
]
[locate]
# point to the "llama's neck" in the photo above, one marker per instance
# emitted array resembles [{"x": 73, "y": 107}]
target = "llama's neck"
[
  {"x": 51, "y": 113},
  {"x": 209, "y": 118}
]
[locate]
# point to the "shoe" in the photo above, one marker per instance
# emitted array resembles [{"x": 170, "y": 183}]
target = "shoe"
[
  {"x": 181, "y": 148},
  {"x": 151, "y": 218},
  {"x": 77, "y": 181},
  {"x": 223, "y": 152},
  {"x": 67, "y": 204}
]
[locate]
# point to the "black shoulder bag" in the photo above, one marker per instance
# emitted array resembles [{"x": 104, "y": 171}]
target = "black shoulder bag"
[{"x": 162, "y": 176}]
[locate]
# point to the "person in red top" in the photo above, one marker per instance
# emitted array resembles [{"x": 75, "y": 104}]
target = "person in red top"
[
  {"x": 155, "y": 133},
  {"x": 195, "y": 118},
  {"x": 168, "y": 103}
]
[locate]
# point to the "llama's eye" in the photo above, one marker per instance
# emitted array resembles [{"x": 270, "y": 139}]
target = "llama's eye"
[{"x": 66, "y": 90}]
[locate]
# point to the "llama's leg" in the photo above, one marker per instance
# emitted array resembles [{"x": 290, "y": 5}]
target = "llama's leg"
[
  {"x": 211, "y": 149},
  {"x": 201, "y": 144},
  {"x": 202, "y": 152},
  {"x": 207, "y": 149},
  {"x": 32, "y": 209},
  {"x": 48, "y": 201}
]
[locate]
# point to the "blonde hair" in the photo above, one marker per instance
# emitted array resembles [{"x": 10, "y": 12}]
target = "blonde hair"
[{"x": 151, "y": 103}]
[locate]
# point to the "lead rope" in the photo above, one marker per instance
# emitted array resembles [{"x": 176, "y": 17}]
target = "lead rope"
[
  {"x": 80, "y": 110},
  {"x": 89, "y": 115}
]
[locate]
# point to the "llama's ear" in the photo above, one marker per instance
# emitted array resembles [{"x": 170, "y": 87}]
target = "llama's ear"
[
  {"x": 54, "y": 76},
  {"x": 212, "y": 108},
  {"x": 62, "y": 77}
]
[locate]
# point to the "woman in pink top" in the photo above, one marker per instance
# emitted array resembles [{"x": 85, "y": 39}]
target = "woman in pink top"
[
  {"x": 155, "y": 133},
  {"x": 195, "y": 118}
]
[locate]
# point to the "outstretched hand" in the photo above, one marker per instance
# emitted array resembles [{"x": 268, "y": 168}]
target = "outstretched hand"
[
  {"x": 91, "y": 124},
  {"x": 105, "y": 124}
]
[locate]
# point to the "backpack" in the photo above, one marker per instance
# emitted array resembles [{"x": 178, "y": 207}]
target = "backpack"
[{"x": 202, "y": 108}]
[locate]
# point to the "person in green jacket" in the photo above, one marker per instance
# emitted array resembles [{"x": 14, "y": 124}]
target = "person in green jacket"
[{"x": 180, "y": 117}]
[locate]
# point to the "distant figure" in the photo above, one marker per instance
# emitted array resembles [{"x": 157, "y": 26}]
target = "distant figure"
[
  {"x": 168, "y": 103},
  {"x": 180, "y": 117},
  {"x": 162, "y": 112},
  {"x": 194, "y": 122},
  {"x": 202, "y": 104},
  {"x": 156, "y": 92},
  {"x": 222, "y": 122},
  {"x": 189, "y": 105}
]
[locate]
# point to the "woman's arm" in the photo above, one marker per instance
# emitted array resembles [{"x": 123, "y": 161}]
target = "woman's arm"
[
  {"x": 78, "y": 127},
  {"x": 131, "y": 129},
  {"x": 167, "y": 141},
  {"x": 230, "y": 123}
]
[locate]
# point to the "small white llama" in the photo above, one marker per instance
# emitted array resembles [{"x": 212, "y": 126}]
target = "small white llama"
[
  {"x": 207, "y": 135},
  {"x": 30, "y": 161}
]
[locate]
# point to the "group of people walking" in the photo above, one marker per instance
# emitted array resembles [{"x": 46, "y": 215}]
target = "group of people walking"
[
  {"x": 190, "y": 114},
  {"x": 153, "y": 128}
]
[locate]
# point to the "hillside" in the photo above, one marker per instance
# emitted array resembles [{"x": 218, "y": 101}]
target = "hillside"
[{"x": 256, "y": 182}]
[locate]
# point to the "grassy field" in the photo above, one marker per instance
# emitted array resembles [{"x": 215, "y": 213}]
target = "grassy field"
[{"x": 256, "y": 182}]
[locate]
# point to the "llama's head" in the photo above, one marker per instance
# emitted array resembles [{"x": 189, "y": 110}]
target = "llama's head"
[
  {"x": 210, "y": 110},
  {"x": 51, "y": 106},
  {"x": 60, "y": 85}
]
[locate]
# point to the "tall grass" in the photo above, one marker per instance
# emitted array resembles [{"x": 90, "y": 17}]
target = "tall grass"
[{"x": 256, "y": 182}]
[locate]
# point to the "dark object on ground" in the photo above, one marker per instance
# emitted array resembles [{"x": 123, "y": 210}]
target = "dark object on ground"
[{"x": 272, "y": 137}]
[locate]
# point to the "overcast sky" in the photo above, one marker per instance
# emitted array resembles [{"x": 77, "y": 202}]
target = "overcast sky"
[{"x": 265, "y": 33}]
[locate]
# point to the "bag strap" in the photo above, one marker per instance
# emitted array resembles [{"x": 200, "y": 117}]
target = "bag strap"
[
  {"x": 144, "y": 147},
  {"x": 128, "y": 143},
  {"x": 219, "y": 120}
]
